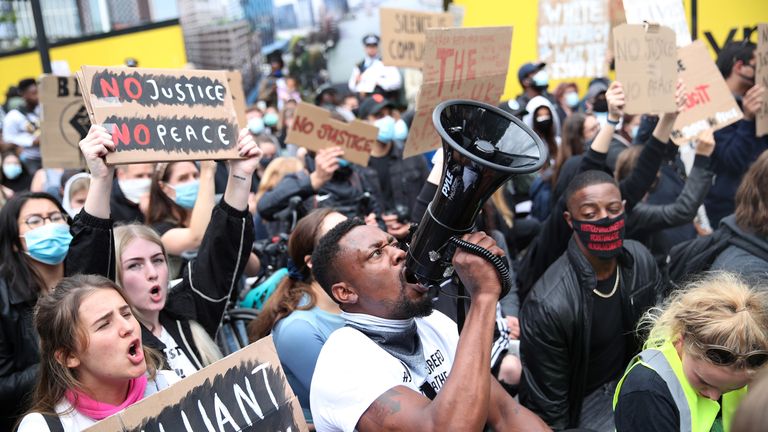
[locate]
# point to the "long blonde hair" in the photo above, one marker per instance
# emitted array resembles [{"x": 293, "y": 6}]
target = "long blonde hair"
[
  {"x": 206, "y": 347},
  {"x": 717, "y": 309}
]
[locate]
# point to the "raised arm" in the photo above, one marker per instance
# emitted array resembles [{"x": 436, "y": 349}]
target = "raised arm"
[
  {"x": 209, "y": 279},
  {"x": 92, "y": 248},
  {"x": 683, "y": 210}
]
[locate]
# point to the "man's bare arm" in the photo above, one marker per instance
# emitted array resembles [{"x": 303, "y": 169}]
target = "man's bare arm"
[{"x": 505, "y": 414}]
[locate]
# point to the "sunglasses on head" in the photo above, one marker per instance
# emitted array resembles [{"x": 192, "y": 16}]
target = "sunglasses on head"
[{"x": 722, "y": 356}]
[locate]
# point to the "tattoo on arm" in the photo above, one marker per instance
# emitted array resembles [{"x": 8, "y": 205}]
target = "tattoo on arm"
[
  {"x": 385, "y": 406},
  {"x": 239, "y": 177}
]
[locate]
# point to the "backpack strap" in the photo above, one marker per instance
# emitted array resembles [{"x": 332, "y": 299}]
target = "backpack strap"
[{"x": 53, "y": 422}]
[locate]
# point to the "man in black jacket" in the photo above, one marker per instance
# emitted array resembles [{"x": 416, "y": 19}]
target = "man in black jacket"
[
  {"x": 334, "y": 183},
  {"x": 577, "y": 324},
  {"x": 397, "y": 180}
]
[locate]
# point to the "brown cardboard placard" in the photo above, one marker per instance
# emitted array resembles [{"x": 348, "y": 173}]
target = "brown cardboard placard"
[
  {"x": 761, "y": 77},
  {"x": 572, "y": 37},
  {"x": 646, "y": 66},
  {"x": 709, "y": 103},
  {"x": 314, "y": 129},
  {"x": 246, "y": 391},
  {"x": 403, "y": 34},
  {"x": 459, "y": 63},
  {"x": 64, "y": 122},
  {"x": 668, "y": 13},
  {"x": 235, "y": 79},
  {"x": 158, "y": 115}
]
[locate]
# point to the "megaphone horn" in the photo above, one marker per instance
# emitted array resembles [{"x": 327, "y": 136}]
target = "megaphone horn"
[{"x": 483, "y": 147}]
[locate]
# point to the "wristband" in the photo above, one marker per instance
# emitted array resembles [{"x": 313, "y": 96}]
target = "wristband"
[{"x": 613, "y": 123}]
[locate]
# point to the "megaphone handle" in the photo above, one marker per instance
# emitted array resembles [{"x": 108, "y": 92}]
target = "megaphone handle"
[{"x": 498, "y": 262}]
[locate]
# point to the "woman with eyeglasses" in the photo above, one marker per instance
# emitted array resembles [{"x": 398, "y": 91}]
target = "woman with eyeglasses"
[
  {"x": 34, "y": 240},
  {"x": 704, "y": 347}
]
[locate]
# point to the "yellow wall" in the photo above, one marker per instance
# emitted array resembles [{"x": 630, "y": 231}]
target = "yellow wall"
[
  {"x": 715, "y": 16},
  {"x": 157, "y": 48}
]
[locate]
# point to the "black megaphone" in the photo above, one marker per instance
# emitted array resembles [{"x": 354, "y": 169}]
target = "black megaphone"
[{"x": 483, "y": 147}]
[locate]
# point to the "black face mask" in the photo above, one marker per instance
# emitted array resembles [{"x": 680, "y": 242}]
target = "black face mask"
[
  {"x": 265, "y": 161},
  {"x": 600, "y": 105},
  {"x": 342, "y": 173},
  {"x": 543, "y": 126},
  {"x": 603, "y": 238}
]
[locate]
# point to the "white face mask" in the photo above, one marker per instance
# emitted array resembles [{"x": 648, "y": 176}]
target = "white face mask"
[{"x": 134, "y": 189}]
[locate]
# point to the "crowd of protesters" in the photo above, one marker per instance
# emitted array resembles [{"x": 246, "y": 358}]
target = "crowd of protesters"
[{"x": 640, "y": 268}]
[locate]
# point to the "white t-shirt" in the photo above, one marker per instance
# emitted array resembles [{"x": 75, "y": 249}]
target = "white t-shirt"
[
  {"x": 73, "y": 421},
  {"x": 352, "y": 371},
  {"x": 177, "y": 358}
]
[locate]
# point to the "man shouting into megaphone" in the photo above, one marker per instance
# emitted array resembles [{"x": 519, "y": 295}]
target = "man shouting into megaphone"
[{"x": 397, "y": 365}]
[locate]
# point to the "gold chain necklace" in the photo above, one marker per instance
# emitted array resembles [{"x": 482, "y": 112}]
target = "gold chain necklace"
[{"x": 613, "y": 291}]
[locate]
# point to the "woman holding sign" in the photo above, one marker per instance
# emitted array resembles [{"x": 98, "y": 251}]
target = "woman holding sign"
[
  {"x": 93, "y": 361},
  {"x": 183, "y": 322}
]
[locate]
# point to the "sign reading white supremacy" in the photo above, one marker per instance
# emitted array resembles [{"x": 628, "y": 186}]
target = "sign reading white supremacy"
[{"x": 573, "y": 37}]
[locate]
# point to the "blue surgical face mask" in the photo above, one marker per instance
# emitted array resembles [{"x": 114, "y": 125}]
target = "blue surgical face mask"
[
  {"x": 256, "y": 125},
  {"x": 634, "y": 130},
  {"x": 12, "y": 171},
  {"x": 572, "y": 99},
  {"x": 401, "y": 130},
  {"x": 386, "y": 127},
  {"x": 270, "y": 119},
  {"x": 186, "y": 193},
  {"x": 49, "y": 243},
  {"x": 541, "y": 79}
]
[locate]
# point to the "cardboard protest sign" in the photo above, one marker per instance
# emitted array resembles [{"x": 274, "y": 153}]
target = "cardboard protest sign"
[
  {"x": 246, "y": 391},
  {"x": 459, "y": 63},
  {"x": 708, "y": 102},
  {"x": 157, "y": 115},
  {"x": 646, "y": 66},
  {"x": 235, "y": 80},
  {"x": 403, "y": 33},
  {"x": 64, "y": 122},
  {"x": 573, "y": 37},
  {"x": 668, "y": 13},
  {"x": 761, "y": 76},
  {"x": 314, "y": 129}
]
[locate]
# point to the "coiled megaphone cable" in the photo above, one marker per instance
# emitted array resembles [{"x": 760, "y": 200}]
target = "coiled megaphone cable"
[{"x": 498, "y": 262}]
